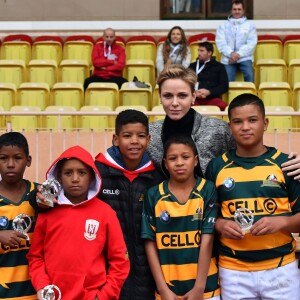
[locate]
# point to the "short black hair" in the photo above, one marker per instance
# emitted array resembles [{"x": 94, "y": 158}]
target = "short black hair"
[
  {"x": 14, "y": 139},
  {"x": 246, "y": 99},
  {"x": 238, "y": 2},
  {"x": 131, "y": 116},
  {"x": 208, "y": 46}
]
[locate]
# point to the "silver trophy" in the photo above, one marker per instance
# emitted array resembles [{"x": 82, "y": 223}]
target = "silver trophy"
[
  {"x": 50, "y": 292},
  {"x": 50, "y": 190},
  {"x": 22, "y": 223},
  {"x": 244, "y": 217}
]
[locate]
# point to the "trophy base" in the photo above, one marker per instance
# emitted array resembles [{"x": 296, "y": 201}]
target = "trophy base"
[
  {"x": 246, "y": 230},
  {"x": 48, "y": 203}
]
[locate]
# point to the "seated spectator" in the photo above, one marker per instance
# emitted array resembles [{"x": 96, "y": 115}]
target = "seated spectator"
[
  {"x": 212, "y": 79},
  {"x": 174, "y": 50},
  {"x": 108, "y": 60}
]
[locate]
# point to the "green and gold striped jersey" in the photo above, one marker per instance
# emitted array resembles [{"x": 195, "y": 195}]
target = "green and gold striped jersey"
[
  {"x": 177, "y": 230},
  {"x": 259, "y": 185},
  {"x": 14, "y": 275}
]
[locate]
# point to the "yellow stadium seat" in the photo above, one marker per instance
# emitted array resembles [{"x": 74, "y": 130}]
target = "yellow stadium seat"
[
  {"x": 2, "y": 118},
  {"x": 143, "y": 69},
  {"x": 270, "y": 70},
  {"x": 60, "y": 122},
  {"x": 12, "y": 71},
  {"x": 44, "y": 71},
  {"x": 155, "y": 97},
  {"x": 280, "y": 123},
  {"x": 33, "y": 94},
  {"x": 47, "y": 47},
  {"x": 102, "y": 94},
  {"x": 25, "y": 122},
  {"x": 141, "y": 47},
  {"x": 17, "y": 48},
  {"x": 296, "y": 97},
  {"x": 237, "y": 88},
  {"x": 275, "y": 93},
  {"x": 8, "y": 92},
  {"x": 67, "y": 94},
  {"x": 96, "y": 123},
  {"x": 73, "y": 70},
  {"x": 294, "y": 72},
  {"x": 129, "y": 94},
  {"x": 207, "y": 108},
  {"x": 157, "y": 109},
  {"x": 291, "y": 48}
]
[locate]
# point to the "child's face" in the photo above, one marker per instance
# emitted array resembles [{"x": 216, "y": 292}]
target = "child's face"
[
  {"x": 13, "y": 162},
  {"x": 132, "y": 141},
  {"x": 247, "y": 125},
  {"x": 180, "y": 162},
  {"x": 75, "y": 177}
]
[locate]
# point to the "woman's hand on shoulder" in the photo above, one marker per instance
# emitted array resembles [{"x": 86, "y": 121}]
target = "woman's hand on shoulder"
[{"x": 292, "y": 166}]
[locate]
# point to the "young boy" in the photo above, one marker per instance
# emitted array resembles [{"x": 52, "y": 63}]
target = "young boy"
[
  {"x": 127, "y": 172},
  {"x": 178, "y": 224},
  {"x": 15, "y": 213},
  {"x": 260, "y": 264},
  {"x": 78, "y": 246}
]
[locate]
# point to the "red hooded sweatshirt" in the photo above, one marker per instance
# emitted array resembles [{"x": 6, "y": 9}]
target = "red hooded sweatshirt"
[{"x": 79, "y": 248}]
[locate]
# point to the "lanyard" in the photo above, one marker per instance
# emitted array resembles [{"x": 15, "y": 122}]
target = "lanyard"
[
  {"x": 174, "y": 49},
  {"x": 109, "y": 50},
  {"x": 200, "y": 68}
]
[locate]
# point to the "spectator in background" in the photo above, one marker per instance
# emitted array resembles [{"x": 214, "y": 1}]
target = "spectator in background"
[
  {"x": 174, "y": 50},
  {"x": 236, "y": 40},
  {"x": 108, "y": 60},
  {"x": 212, "y": 80}
]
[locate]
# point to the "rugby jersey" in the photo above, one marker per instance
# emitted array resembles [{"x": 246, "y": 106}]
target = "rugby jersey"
[
  {"x": 177, "y": 230},
  {"x": 259, "y": 185},
  {"x": 14, "y": 275}
]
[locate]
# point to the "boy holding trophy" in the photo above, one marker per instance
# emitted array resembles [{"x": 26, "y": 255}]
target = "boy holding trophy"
[{"x": 259, "y": 209}]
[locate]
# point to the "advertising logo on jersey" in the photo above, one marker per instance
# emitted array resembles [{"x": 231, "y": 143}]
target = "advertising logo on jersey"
[
  {"x": 198, "y": 215},
  {"x": 271, "y": 181},
  {"x": 91, "y": 229},
  {"x": 3, "y": 222},
  {"x": 228, "y": 183},
  {"x": 165, "y": 217}
]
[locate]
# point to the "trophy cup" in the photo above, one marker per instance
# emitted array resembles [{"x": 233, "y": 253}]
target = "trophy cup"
[
  {"x": 48, "y": 292},
  {"x": 244, "y": 218},
  {"x": 22, "y": 223},
  {"x": 50, "y": 190}
]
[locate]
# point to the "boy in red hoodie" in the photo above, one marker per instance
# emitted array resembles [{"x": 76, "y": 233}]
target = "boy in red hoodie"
[{"x": 78, "y": 246}]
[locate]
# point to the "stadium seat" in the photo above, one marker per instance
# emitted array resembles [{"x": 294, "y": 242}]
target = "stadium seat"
[
  {"x": 237, "y": 88},
  {"x": 143, "y": 69},
  {"x": 16, "y": 47},
  {"x": 33, "y": 94},
  {"x": 67, "y": 94},
  {"x": 296, "y": 97},
  {"x": 280, "y": 123},
  {"x": 119, "y": 40},
  {"x": 73, "y": 71},
  {"x": 44, "y": 71},
  {"x": 291, "y": 47},
  {"x": 141, "y": 108},
  {"x": 96, "y": 123},
  {"x": 275, "y": 93},
  {"x": 25, "y": 122},
  {"x": 60, "y": 122},
  {"x": 8, "y": 93},
  {"x": 207, "y": 108},
  {"x": 194, "y": 41},
  {"x": 47, "y": 47},
  {"x": 155, "y": 97},
  {"x": 294, "y": 72},
  {"x": 270, "y": 70},
  {"x": 141, "y": 47},
  {"x": 102, "y": 94},
  {"x": 2, "y": 118},
  {"x": 79, "y": 47},
  {"x": 12, "y": 71},
  {"x": 161, "y": 40},
  {"x": 157, "y": 109},
  {"x": 129, "y": 95},
  {"x": 268, "y": 47}
]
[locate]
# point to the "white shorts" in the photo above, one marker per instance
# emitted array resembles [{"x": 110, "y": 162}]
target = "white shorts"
[{"x": 281, "y": 283}]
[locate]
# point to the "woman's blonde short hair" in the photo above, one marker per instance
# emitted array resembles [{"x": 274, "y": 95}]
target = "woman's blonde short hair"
[{"x": 175, "y": 71}]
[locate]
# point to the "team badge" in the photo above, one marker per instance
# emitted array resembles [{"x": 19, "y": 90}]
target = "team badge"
[
  {"x": 165, "y": 217},
  {"x": 198, "y": 215},
  {"x": 91, "y": 229},
  {"x": 3, "y": 222},
  {"x": 271, "y": 181},
  {"x": 228, "y": 183}
]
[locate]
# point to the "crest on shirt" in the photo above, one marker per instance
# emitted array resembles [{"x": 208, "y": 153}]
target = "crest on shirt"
[
  {"x": 165, "y": 217},
  {"x": 229, "y": 183},
  {"x": 198, "y": 215},
  {"x": 91, "y": 229},
  {"x": 3, "y": 222},
  {"x": 271, "y": 181}
]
